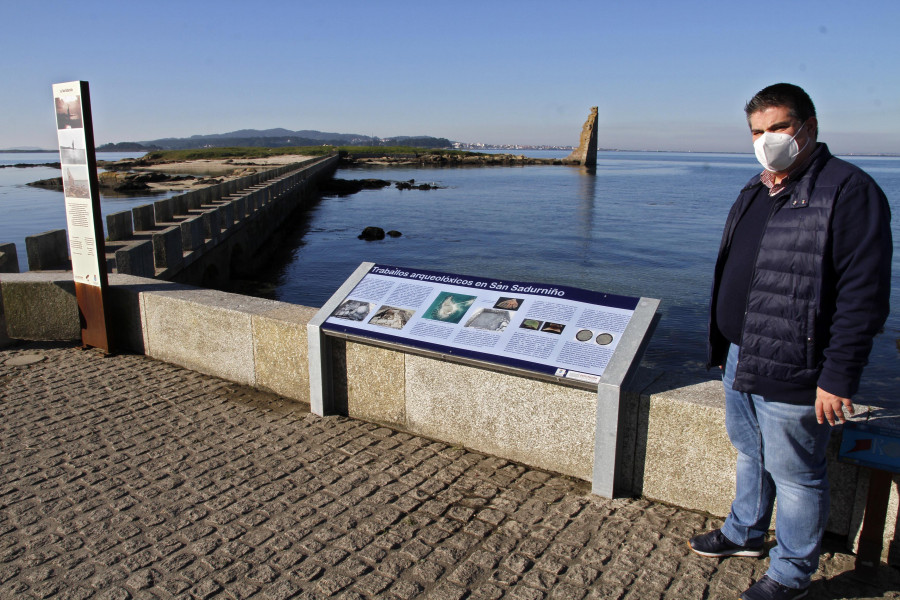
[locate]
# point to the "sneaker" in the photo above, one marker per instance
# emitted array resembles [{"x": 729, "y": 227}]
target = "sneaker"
[
  {"x": 715, "y": 544},
  {"x": 769, "y": 589}
]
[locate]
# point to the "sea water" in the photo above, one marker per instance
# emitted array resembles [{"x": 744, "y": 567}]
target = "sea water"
[
  {"x": 27, "y": 210},
  {"x": 644, "y": 224}
]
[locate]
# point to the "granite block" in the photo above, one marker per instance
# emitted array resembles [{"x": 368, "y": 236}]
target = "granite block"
[
  {"x": 205, "y": 330},
  {"x": 376, "y": 384},
  {"x": 542, "y": 424},
  {"x": 281, "y": 350}
]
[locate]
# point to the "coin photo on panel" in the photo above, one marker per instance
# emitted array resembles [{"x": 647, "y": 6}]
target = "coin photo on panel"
[{"x": 604, "y": 339}]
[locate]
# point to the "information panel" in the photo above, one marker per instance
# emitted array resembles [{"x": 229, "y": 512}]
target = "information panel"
[
  {"x": 75, "y": 132},
  {"x": 74, "y": 154},
  {"x": 560, "y": 331}
]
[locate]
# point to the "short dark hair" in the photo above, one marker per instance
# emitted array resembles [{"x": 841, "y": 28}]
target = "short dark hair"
[{"x": 793, "y": 97}]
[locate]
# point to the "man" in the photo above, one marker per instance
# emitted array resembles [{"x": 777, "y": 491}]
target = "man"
[{"x": 801, "y": 287}]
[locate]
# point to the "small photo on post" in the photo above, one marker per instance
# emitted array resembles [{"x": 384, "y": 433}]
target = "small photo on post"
[
  {"x": 75, "y": 182},
  {"x": 68, "y": 112},
  {"x": 71, "y": 148}
]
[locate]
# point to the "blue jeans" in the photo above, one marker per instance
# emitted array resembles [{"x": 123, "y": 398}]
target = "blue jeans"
[{"x": 781, "y": 451}]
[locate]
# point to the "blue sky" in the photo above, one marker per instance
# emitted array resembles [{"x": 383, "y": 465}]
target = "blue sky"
[{"x": 666, "y": 75}]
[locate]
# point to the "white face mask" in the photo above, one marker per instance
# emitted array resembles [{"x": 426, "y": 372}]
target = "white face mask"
[{"x": 776, "y": 152}]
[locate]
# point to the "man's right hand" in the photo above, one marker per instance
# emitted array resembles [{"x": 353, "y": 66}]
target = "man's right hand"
[{"x": 831, "y": 408}]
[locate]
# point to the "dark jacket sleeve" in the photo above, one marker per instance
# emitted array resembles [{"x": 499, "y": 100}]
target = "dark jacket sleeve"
[{"x": 861, "y": 266}]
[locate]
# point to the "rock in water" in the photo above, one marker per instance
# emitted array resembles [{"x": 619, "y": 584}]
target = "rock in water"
[
  {"x": 394, "y": 233},
  {"x": 371, "y": 233}
]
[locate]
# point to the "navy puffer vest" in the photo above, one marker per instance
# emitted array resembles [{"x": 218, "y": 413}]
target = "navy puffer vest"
[{"x": 789, "y": 312}]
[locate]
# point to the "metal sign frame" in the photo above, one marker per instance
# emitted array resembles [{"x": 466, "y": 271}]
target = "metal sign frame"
[
  {"x": 84, "y": 222},
  {"x": 617, "y": 375}
]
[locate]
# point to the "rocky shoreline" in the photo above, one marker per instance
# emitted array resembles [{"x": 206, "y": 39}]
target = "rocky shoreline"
[
  {"x": 450, "y": 159},
  {"x": 125, "y": 183},
  {"x": 54, "y": 165},
  {"x": 142, "y": 175},
  {"x": 346, "y": 187}
]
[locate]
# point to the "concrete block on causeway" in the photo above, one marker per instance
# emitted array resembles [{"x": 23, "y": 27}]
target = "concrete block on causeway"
[
  {"x": 41, "y": 306},
  {"x": 118, "y": 226},
  {"x": 144, "y": 217},
  {"x": 48, "y": 251},
  {"x": 226, "y": 215},
  {"x": 163, "y": 210},
  {"x": 194, "y": 201},
  {"x": 211, "y": 228},
  {"x": 179, "y": 205},
  {"x": 240, "y": 207},
  {"x": 192, "y": 233},
  {"x": 136, "y": 259},
  {"x": 686, "y": 459},
  {"x": 126, "y": 294},
  {"x": 9, "y": 258},
  {"x": 168, "y": 248},
  {"x": 5, "y": 340},
  {"x": 679, "y": 445}
]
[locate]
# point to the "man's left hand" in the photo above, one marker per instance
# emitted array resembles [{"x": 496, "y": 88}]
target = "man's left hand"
[{"x": 830, "y": 407}]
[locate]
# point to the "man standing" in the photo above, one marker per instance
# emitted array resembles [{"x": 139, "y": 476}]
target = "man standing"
[{"x": 801, "y": 287}]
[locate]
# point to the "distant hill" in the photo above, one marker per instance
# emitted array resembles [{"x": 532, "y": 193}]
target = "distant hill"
[
  {"x": 276, "y": 138},
  {"x": 127, "y": 147}
]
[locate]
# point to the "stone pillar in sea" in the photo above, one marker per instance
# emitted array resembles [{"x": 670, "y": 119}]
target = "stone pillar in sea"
[{"x": 586, "y": 153}]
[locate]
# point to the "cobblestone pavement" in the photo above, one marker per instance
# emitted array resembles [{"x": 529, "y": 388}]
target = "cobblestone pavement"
[{"x": 122, "y": 477}]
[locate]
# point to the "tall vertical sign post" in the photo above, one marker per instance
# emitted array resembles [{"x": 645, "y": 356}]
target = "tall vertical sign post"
[{"x": 83, "y": 219}]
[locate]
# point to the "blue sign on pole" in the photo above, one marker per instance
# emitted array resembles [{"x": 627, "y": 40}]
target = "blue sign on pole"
[{"x": 870, "y": 446}]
